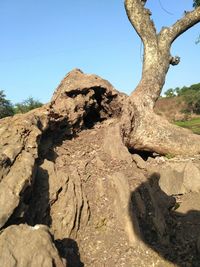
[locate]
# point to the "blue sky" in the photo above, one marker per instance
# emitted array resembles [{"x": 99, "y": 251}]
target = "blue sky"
[{"x": 42, "y": 40}]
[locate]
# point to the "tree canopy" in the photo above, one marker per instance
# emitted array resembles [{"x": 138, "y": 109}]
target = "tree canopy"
[
  {"x": 6, "y": 108},
  {"x": 9, "y": 109},
  {"x": 27, "y": 105},
  {"x": 196, "y": 3},
  {"x": 170, "y": 93},
  {"x": 190, "y": 94}
]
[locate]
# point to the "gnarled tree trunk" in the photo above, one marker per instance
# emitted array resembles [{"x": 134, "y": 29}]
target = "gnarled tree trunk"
[{"x": 141, "y": 128}]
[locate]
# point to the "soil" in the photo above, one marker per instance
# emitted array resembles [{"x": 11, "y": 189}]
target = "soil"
[{"x": 104, "y": 240}]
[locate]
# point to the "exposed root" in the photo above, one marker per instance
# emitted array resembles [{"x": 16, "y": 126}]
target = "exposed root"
[{"x": 147, "y": 131}]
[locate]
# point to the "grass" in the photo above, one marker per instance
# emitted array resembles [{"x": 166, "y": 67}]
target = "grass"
[{"x": 193, "y": 124}]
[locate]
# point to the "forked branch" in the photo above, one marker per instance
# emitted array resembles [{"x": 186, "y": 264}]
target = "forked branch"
[{"x": 180, "y": 26}]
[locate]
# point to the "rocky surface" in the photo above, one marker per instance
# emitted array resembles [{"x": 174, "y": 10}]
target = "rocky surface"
[
  {"x": 65, "y": 166},
  {"x": 24, "y": 139},
  {"x": 24, "y": 246}
]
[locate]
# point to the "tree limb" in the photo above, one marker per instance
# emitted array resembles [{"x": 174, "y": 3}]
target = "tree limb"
[
  {"x": 170, "y": 34},
  {"x": 140, "y": 20}
]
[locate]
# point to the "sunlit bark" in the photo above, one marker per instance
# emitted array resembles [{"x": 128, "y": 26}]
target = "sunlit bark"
[{"x": 139, "y": 123}]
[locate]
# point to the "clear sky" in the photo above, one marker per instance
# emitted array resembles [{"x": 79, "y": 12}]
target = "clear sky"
[{"x": 42, "y": 40}]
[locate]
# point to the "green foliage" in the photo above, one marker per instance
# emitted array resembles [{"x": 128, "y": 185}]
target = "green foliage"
[
  {"x": 27, "y": 105},
  {"x": 191, "y": 96},
  {"x": 170, "y": 93},
  {"x": 6, "y": 108},
  {"x": 193, "y": 124},
  {"x": 177, "y": 90},
  {"x": 169, "y": 156},
  {"x": 196, "y": 3}
]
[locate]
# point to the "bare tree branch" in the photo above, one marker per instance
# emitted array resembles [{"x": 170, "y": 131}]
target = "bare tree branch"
[
  {"x": 170, "y": 34},
  {"x": 139, "y": 17}
]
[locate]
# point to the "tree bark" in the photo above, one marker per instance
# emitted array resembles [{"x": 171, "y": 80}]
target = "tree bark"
[{"x": 141, "y": 128}]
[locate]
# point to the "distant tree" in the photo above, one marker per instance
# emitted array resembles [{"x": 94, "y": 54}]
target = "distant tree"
[
  {"x": 177, "y": 90},
  {"x": 195, "y": 87},
  {"x": 27, "y": 105},
  {"x": 196, "y": 3},
  {"x": 183, "y": 90},
  {"x": 6, "y": 108},
  {"x": 190, "y": 95},
  {"x": 192, "y": 98},
  {"x": 170, "y": 93}
]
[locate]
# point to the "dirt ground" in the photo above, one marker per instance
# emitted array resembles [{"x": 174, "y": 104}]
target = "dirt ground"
[{"x": 114, "y": 235}]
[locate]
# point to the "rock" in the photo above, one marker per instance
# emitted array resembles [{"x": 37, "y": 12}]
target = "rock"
[
  {"x": 71, "y": 210},
  {"x": 191, "y": 177},
  {"x": 139, "y": 161},
  {"x": 122, "y": 206},
  {"x": 114, "y": 146},
  {"x": 176, "y": 165},
  {"x": 160, "y": 160},
  {"x": 150, "y": 160},
  {"x": 79, "y": 102},
  {"x": 58, "y": 200},
  {"x": 190, "y": 202},
  {"x": 18, "y": 151},
  {"x": 86, "y": 99},
  {"x": 99, "y": 163},
  {"x": 23, "y": 245},
  {"x": 171, "y": 181},
  {"x": 178, "y": 177}
]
